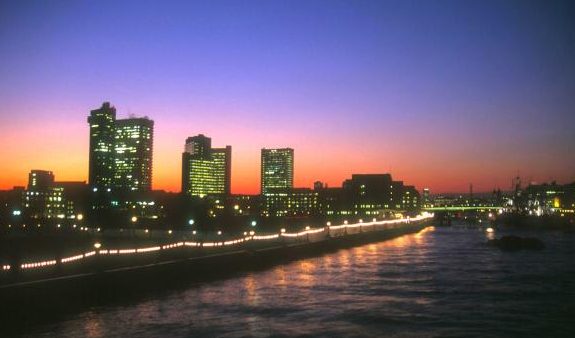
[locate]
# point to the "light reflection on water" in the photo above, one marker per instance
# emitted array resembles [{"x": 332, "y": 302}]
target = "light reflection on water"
[{"x": 437, "y": 283}]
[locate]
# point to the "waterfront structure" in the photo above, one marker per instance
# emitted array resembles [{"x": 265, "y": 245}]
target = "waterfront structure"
[
  {"x": 410, "y": 200},
  {"x": 333, "y": 201},
  {"x": 426, "y": 198},
  {"x": 365, "y": 195},
  {"x": 276, "y": 169},
  {"x": 549, "y": 198},
  {"x": 370, "y": 194},
  {"x": 291, "y": 202},
  {"x": 120, "y": 151},
  {"x": 205, "y": 170}
]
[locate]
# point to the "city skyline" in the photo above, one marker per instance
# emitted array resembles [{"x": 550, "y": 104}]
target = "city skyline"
[
  {"x": 484, "y": 105},
  {"x": 287, "y": 168},
  {"x": 258, "y": 183}
]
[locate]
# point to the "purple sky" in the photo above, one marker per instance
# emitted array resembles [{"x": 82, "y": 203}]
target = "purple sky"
[{"x": 443, "y": 93}]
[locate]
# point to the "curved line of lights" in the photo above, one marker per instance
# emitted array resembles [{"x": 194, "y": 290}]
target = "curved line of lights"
[{"x": 307, "y": 231}]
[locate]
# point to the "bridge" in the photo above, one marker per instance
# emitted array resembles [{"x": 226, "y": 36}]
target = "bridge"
[{"x": 463, "y": 208}]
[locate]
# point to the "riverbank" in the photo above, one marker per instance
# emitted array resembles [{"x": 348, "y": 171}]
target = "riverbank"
[{"x": 154, "y": 271}]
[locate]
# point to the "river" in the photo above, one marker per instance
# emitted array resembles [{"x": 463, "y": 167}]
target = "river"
[{"x": 440, "y": 282}]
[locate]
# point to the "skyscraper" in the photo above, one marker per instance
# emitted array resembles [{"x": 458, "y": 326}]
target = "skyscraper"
[
  {"x": 199, "y": 145},
  {"x": 120, "y": 151},
  {"x": 101, "y": 170},
  {"x": 222, "y": 168},
  {"x": 205, "y": 170},
  {"x": 133, "y": 154},
  {"x": 276, "y": 169}
]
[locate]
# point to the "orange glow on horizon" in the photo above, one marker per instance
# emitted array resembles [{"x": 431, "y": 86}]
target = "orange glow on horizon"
[{"x": 62, "y": 147}]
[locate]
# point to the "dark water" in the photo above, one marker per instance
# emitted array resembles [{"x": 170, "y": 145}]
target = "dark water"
[{"x": 438, "y": 283}]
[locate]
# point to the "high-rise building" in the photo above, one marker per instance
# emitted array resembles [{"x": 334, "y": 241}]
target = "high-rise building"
[
  {"x": 222, "y": 165},
  {"x": 133, "y": 154},
  {"x": 205, "y": 170},
  {"x": 199, "y": 145},
  {"x": 102, "y": 136},
  {"x": 276, "y": 169},
  {"x": 120, "y": 151}
]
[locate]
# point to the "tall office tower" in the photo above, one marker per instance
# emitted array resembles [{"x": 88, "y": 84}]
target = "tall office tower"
[
  {"x": 101, "y": 167},
  {"x": 276, "y": 169},
  {"x": 205, "y": 170},
  {"x": 133, "y": 145},
  {"x": 199, "y": 145},
  {"x": 222, "y": 168}
]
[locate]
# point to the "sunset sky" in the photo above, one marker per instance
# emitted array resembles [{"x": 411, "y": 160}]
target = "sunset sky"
[{"x": 439, "y": 93}]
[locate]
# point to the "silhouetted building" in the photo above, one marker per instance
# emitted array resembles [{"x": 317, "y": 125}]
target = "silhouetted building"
[
  {"x": 11, "y": 207},
  {"x": 410, "y": 200},
  {"x": 426, "y": 198},
  {"x": 41, "y": 199},
  {"x": 46, "y": 198},
  {"x": 120, "y": 151},
  {"x": 101, "y": 154},
  {"x": 199, "y": 145},
  {"x": 205, "y": 170},
  {"x": 133, "y": 146},
  {"x": 40, "y": 180},
  {"x": 367, "y": 195},
  {"x": 276, "y": 169},
  {"x": 333, "y": 201}
]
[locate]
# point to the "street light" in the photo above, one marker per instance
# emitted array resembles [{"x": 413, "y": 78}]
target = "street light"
[
  {"x": 134, "y": 219},
  {"x": 191, "y": 222},
  {"x": 97, "y": 245},
  {"x": 219, "y": 232},
  {"x": 254, "y": 223}
]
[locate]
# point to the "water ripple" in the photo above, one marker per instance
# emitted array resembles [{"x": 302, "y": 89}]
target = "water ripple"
[{"x": 442, "y": 283}]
